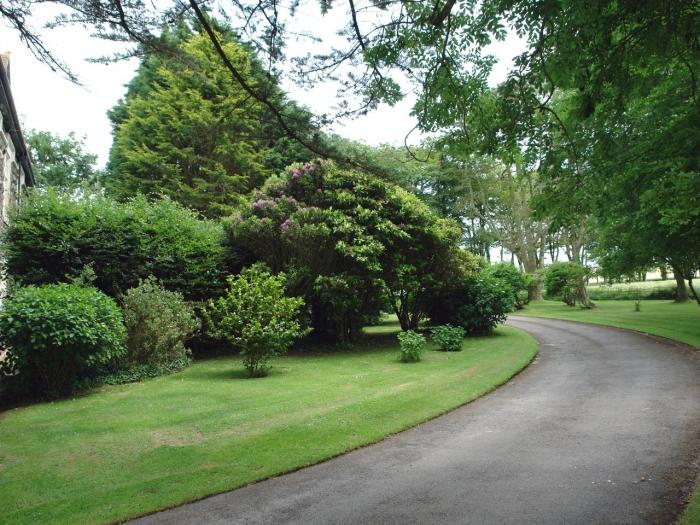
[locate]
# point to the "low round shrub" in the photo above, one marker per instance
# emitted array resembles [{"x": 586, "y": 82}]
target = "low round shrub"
[
  {"x": 256, "y": 318},
  {"x": 411, "y": 346},
  {"x": 477, "y": 304},
  {"x": 56, "y": 333},
  {"x": 567, "y": 281},
  {"x": 448, "y": 338},
  {"x": 158, "y": 323},
  {"x": 517, "y": 280}
]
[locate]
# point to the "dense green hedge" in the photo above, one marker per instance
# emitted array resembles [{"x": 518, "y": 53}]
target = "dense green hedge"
[{"x": 54, "y": 236}]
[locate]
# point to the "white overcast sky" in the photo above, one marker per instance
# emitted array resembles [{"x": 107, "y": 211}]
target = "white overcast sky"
[{"x": 47, "y": 101}]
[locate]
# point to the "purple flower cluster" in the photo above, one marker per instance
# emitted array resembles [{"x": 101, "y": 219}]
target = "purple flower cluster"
[
  {"x": 306, "y": 168},
  {"x": 261, "y": 204},
  {"x": 286, "y": 225}
]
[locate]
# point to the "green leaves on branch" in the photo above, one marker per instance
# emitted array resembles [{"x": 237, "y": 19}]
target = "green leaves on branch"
[
  {"x": 54, "y": 235},
  {"x": 186, "y": 130},
  {"x": 448, "y": 338},
  {"x": 411, "y": 346},
  {"x": 159, "y": 323},
  {"x": 55, "y": 334},
  {"x": 256, "y": 318},
  {"x": 567, "y": 281}
]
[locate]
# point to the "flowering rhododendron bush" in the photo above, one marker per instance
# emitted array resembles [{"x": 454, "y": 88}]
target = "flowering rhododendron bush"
[{"x": 351, "y": 243}]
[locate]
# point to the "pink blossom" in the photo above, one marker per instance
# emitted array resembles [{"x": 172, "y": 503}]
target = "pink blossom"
[
  {"x": 286, "y": 225},
  {"x": 261, "y": 204}
]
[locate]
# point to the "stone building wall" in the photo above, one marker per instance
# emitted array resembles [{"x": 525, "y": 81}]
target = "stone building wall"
[{"x": 15, "y": 169}]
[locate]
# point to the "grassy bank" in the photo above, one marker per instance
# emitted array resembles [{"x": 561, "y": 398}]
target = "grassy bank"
[
  {"x": 127, "y": 450},
  {"x": 680, "y": 322}
]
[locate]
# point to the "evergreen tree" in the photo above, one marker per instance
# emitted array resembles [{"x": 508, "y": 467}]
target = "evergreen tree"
[{"x": 185, "y": 129}]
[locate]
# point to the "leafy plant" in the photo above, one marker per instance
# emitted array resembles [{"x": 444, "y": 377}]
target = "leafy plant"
[
  {"x": 448, "y": 338},
  {"x": 186, "y": 131},
  {"x": 567, "y": 281},
  {"x": 514, "y": 278},
  {"x": 351, "y": 243},
  {"x": 411, "y": 346},
  {"x": 256, "y": 318},
  {"x": 158, "y": 323},
  {"x": 53, "y": 236},
  {"x": 477, "y": 304},
  {"x": 55, "y": 333},
  {"x": 116, "y": 375}
]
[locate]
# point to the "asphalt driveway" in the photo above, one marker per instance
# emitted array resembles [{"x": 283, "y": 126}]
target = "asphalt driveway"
[{"x": 603, "y": 428}]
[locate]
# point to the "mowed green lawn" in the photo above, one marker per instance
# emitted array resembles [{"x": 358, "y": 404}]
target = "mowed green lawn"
[
  {"x": 680, "y": 322},
  {"x": 128, "y": 450}
]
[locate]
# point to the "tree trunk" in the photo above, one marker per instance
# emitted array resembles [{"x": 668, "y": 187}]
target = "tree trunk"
[
  {"x": 692, "y": 289},
  {"x": 681, "y": 290},
  {"x": 583, "y": 298},
  {"x": 534, "y": 288}
]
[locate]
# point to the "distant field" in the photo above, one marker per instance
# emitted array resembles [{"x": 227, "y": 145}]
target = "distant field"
[{"x": 631, "y": 291}]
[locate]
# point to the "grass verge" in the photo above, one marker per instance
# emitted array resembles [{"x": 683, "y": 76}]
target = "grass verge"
[
  {"x": 123, "y": 451},
  {"x": 680, "y": 322}
]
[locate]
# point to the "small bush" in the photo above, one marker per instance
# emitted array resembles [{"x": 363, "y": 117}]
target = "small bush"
[
  {"x": 448, "y": 338},
  {"x": 567, "y": 281},
  {"x": 477, "y": 304},
  {"x": 158, "y": 323},
  {"x": 514, "y": 278},
  {"x": 411, "y": 346},
  {"x": 256, "y": 318},
  {"x": 55, "y": 334}
]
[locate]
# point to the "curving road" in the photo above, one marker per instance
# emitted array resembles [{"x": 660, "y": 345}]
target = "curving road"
[{"x": 604, "y": 428}]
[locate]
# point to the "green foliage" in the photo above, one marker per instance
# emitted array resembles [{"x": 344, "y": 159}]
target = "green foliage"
[
  {"x": 517, "y": 280},
  {"x": 411, "y": 346},
  {"x": 186, "y": 130},
  {"x": 158, "y": 323},
  {"x": 256, "y": 318},
  {"x": 53, "y": 236},
  {"x": 448, "y": 338},
  {"x": 55, "y": 333},
  {"x": 350, "y": 243},
  {"x": 120, "y": 376},
  {"x": 477, "y": 304},
  {"x": 61, "y": 162},
  {"x": 567, "y": 281}
]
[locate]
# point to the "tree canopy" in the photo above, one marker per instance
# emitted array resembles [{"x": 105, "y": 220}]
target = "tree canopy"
[
  {"x": 61, "y": 162},
  {"x": 186, "y": 130}
]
